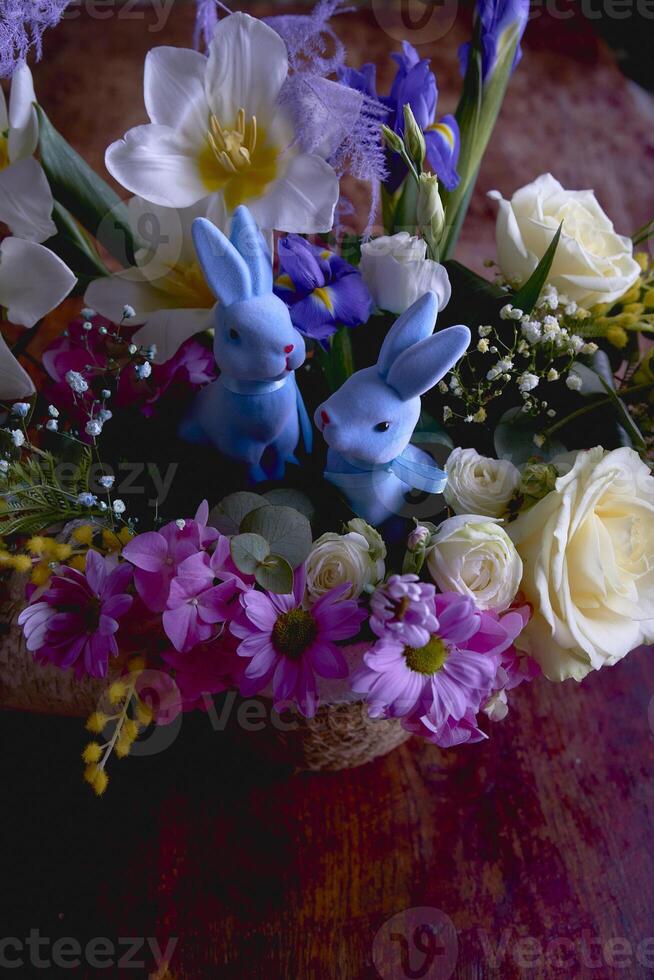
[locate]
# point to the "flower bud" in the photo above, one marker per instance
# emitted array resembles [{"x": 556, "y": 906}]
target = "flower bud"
[
  {"x": 429, "y": 207},
  {"x": 393, "y": 141},
  {"x": 414, "y": 139},
  {"x": 418, "y": 538}
]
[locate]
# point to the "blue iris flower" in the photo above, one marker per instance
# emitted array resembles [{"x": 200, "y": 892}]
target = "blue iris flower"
[
  {"x": 321, "y": 290},
  {"x": 414, "y": 84},
  {"x": 500, "y": 22}
]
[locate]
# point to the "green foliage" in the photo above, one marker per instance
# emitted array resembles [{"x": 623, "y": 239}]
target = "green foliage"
[
  {"x": 85, "y": 195},
  {"x": 526, "y": 297}
]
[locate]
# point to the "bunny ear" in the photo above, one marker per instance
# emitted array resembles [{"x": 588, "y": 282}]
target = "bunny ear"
[
  {"x": 414, "y": 325},
  {"x": 224, "y": 268},
  {"x": 246, "y": 237},
  {"x": 422, "y": 366}
]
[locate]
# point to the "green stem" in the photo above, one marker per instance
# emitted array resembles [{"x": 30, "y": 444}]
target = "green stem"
[{"x": 597, "y": 404}]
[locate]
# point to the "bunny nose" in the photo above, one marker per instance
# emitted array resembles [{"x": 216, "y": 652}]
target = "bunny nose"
[
  {"x": 324, "y": 417},
  {"x": 289, "y": 349}
]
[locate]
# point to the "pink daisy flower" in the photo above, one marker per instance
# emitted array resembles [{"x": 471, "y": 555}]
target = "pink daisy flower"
[
  {"x": 75, "y": 621},
  {"x": 438, "y": 688},
  {"x": 289, "y": 645},
  {"x": 404, "y": 606}
]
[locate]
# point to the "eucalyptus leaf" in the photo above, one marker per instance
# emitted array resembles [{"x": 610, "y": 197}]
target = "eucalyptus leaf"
[
  {"x": 290, "y": 497},
  {"x": 227, "y": 516},
  {"x": 248, "y": 551},
  {"x": 514, "y": 439},
  {"x": 428, "y": 430},
  {"x": 286, "y": 530},
  {"x": 275, "y": 575},
  {"x": 84, "y": 194},
  {"x": 527, "y": 296}
]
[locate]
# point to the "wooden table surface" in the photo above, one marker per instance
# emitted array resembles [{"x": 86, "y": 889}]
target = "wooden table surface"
[
  {"x": 526, "y": 856},
  {"x": 542, "y": 833}
]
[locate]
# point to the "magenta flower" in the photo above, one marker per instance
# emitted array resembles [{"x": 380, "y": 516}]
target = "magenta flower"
[
  {"x": 289, "y": 645},
  {"x": 157, "y": 555},
  {"x": 75, "y": 621},
  {"x": 438, "y": 688},
  {"x": 404, "y": 607},
  {"x": 202, "y": 596}
]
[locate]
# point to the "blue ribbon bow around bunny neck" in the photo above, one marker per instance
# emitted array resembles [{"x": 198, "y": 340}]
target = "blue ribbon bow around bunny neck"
[{"x": 417, "y": 475}]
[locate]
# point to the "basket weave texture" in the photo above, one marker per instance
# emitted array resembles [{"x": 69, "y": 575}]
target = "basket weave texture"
[{"x": 340, "y": 736}]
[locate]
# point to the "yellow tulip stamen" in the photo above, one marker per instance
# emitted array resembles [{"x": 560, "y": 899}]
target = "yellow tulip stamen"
[{"x": 237, "y": 159}]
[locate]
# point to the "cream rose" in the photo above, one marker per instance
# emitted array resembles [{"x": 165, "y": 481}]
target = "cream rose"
[
  {"x": 397, "y": 272},
  {"x": 474, "y": 556},
  {"x": 478, "y": 485},
  {"x": 593, "y": 264},
  {"x": 355, "y": 558},
  {"x": 588, "y": 554}
]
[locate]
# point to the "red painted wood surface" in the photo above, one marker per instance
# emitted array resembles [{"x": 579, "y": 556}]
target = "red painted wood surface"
[{"x": 544, "y": 832}]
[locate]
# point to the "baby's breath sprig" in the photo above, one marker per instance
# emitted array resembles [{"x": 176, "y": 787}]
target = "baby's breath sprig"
[{"x": 125, "y": 717}]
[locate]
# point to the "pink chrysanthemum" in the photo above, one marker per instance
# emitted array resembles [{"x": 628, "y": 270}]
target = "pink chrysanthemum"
[
  {"x": 438, "y": 687},
  {"x": 74, "y": 623},
  {"x": 289, "y": 645}
]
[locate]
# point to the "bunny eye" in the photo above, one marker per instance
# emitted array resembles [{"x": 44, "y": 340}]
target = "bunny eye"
[
  {"x": 234, "y": 334},
  {"x": 382, "y": 427}
]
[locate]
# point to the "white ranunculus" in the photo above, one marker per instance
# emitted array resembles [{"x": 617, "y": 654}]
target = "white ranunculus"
[
  {"x": 479, "y": 485},
  {"x": 166, "y": 288},
  {"x": 33, "y": 280},
  {"x": 397, "y": 272},
  {"x": 588, "y": 554},
  {"x": 216, "y": 126},
  {"x": 592, "y": 264},
  {"x": 474, "y": 556},
  {"x": 25, "y": 197},
  {"x": 355, "y": 558}
]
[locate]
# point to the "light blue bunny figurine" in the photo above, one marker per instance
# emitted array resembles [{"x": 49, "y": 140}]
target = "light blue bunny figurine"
[
  {"x": 252, "y": 409},
  {"x": 369, "y": 421}
]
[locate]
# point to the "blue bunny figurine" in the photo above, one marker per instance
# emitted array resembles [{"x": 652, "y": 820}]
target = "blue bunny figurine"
[
  {"x": 254, "y": 404},
  {"x": 369, "y": 421}
]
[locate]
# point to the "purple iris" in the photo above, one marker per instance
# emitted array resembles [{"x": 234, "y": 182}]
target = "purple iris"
[
  {"x": 415, "y": 85},
  {"x": 500, "y": 23},
  {"x": 321, "y": 290}
]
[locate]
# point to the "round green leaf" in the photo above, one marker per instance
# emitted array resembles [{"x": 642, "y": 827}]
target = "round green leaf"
[
  {"x": 275, "y": 575},
  {"x": 248, "y": 551},
  {"x": 287, "y": 532},
  {"x": 226, "y": 517},
  {"x": 289, "y": 497}
]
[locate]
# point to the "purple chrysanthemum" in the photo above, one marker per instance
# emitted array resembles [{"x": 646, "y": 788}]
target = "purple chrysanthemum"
[
  {"x": 403, "y": 608},
  {"x": 74, "y": 623},
  {"x": 438, "y": 687},
  {"x": 289, "y": 645}
]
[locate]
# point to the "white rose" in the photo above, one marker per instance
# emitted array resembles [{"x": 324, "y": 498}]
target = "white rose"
[
  {"x": 592, "y": 264},
  {"x": 478, "y": 485},
  {"x": 397, "y": 272},
  {"x": 337, "y": 559},
  {"x": 588, "y": 554},
  {"x": 474, "y": 556}
]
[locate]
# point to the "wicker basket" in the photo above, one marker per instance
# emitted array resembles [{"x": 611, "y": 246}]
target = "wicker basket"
[{"x": 340, "y": 736}]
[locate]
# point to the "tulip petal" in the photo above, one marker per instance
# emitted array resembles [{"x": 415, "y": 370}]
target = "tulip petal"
[{"x": 33, "y": 280}]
